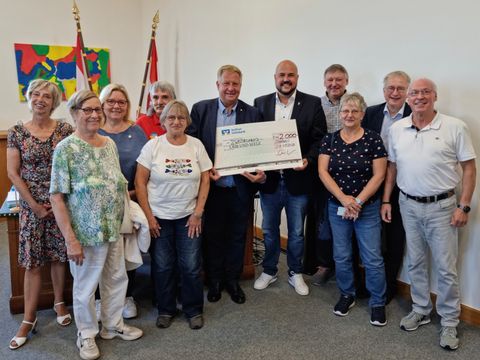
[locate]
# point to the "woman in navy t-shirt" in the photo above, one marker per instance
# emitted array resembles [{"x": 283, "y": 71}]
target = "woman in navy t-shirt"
[
  {"x": 130, "y": 140},
  {"x": 352, "y": 165}
]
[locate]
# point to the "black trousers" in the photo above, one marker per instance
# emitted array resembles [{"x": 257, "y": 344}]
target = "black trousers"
[
  {"x": 318, "y": 236},
  {"x": 393, "y": 242},
  {"x": 225, "y": 229}
]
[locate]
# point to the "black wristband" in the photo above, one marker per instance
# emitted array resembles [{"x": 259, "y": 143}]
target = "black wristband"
[{"x": 385, "y": 202}]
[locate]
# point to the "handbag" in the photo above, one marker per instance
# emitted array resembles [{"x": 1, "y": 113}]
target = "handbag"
[{"x": 127, "y": 223}]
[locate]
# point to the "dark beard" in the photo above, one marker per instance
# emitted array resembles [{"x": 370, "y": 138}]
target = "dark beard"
[{"x": 287, "y": 94}]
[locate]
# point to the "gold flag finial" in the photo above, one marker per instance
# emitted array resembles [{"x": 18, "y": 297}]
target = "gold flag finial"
[
  {"x": 75, "y": 11},
  {"x": 156, "y": 20}
]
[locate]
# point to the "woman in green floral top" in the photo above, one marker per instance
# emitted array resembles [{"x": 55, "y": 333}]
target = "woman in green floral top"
[{"x": 87, "y": 195}]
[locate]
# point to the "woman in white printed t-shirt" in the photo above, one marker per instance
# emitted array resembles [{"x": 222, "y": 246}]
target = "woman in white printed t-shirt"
[{"x": 172, "y": 184}]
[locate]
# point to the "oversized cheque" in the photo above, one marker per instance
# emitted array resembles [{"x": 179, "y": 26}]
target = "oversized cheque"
[{"x": 266, "y": 145}]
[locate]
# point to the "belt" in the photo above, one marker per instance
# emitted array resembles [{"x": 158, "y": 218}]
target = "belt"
[{"x": 430, "y": 199}]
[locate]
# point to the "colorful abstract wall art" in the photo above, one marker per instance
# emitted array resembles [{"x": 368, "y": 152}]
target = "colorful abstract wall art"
[{"x": 57, "y": 64}]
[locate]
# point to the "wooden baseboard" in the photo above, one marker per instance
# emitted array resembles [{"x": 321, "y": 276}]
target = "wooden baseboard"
[
  {"x": 468, "y": 314},
  {"x": 45, "y": 300}
]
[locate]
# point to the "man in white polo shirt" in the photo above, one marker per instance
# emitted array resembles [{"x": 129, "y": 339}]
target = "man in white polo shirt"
[{"x": 425, "y": 149}]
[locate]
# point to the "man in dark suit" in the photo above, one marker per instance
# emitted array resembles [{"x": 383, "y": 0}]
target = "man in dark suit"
[
  {"x": 379, "y": 118},
  {"x": 230, "y": 197},
  {"x": 290, "y": 188}
]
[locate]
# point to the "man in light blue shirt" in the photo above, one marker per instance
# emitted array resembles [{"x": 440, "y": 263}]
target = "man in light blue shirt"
[
  {"x": 380, "y": 118},
  {"x": 231, "y": 197}
]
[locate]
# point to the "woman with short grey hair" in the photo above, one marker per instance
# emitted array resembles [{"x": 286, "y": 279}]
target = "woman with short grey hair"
[
  {"x": 172, "y": 184},
  {"x": 87, "y": 194},
  {"x": 352, "y": 165}
]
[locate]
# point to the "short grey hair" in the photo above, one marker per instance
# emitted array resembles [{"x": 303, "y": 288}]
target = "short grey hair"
[
  {"x": 231, "y": 68},
  {"x": 432, "y": 83},
  {"x": 107, "y": 92},
  {"x": 162, "y": 86},
  {"x": 334, "y": 68},
  {"x": 355, "y": 98},
  {"x": 78, "y": 98},
  {"x": 178, "y": 104},
  {"x": 39, "y": 84},
  {"x": 397, "y": 73}
]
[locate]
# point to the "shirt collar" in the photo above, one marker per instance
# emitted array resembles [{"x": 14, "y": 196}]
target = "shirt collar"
[
  {"x": 291, "y": 99},
  {"x": 434, "y": 124},
  {"x": 398, "y": 115},
  {"x": 330, "y": 101},
  {"x": 223, "y": 108},
  {"x": 156, "y": 119}
]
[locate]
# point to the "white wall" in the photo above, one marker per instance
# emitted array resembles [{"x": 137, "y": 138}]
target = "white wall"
[{"x": 432, "y": 38}]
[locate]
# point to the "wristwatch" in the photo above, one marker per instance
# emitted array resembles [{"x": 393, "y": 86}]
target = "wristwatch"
[
  {"x": 359, "y": 202},
  {"x": 466, "y": 209}
]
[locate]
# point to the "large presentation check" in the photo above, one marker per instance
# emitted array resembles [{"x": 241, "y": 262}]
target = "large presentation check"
[{"x": 266, "y": 145}]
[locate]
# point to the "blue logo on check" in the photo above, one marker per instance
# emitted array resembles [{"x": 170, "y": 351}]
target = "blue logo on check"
[{"x": 225, "y": 131}]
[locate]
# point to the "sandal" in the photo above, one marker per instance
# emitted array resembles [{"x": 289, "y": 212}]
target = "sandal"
[
  {"x": 19, "y": 341},
  {"x": 62, "y": 320}
]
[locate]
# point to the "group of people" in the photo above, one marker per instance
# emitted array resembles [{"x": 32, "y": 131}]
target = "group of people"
[{"x": 396, "y": 162}]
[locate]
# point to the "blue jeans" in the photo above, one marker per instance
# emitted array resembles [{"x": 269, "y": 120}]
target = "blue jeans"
[
  {"x": 174, "y": 251},
  {"x": 367, "y": 231},
  {"x": 295, "y": 208},
  {"x": 427, "y": 226}
]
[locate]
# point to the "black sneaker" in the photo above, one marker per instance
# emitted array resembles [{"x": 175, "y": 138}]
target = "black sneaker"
[
  {"x": 343, "y": 306},
  {"x": 378, "y": 317}
]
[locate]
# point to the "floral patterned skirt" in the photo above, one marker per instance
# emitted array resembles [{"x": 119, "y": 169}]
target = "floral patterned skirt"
[{"x": 41, "y": 241}]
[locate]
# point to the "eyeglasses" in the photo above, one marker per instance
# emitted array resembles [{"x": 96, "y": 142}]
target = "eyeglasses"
[
  {"x": 391, "y": 89},
  {"x": 112, "y": 102},
  {"x": 172, "y": 118},
  {"x": 88, "y": 111},
  {"x": 347, "y": 112},
  {"x": 424, "y": 92}
]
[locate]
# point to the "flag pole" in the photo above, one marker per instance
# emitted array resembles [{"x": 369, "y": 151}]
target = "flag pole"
[
  {"x": 156, "y": 20},
  {"x": 76, "y": 16}
]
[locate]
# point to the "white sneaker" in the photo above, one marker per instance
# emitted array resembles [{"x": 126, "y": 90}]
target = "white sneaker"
[
  {"x": 129, "y": 309},
  {"x": 296, "y": 280},
  {"x": 88, "y": 348},
  {"x": 98, "y": 309},
  {"x": 449, "y": 338},
  {"x": 126, "y": 333},
  {"x": 264, "y": 280}
]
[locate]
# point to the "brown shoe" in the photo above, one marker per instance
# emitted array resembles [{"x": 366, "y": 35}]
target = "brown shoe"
[
  {"x": 164, "y": 321},
  {"x": 196, "y": 322},
  {"x": 322, "y": 275}
]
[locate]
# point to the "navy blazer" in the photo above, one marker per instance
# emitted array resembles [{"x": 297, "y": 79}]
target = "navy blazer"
[
  {"x": 374, "y": 116},
  {"x": 204, "y": 127},
  {"x": 312, "y": 126}
]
